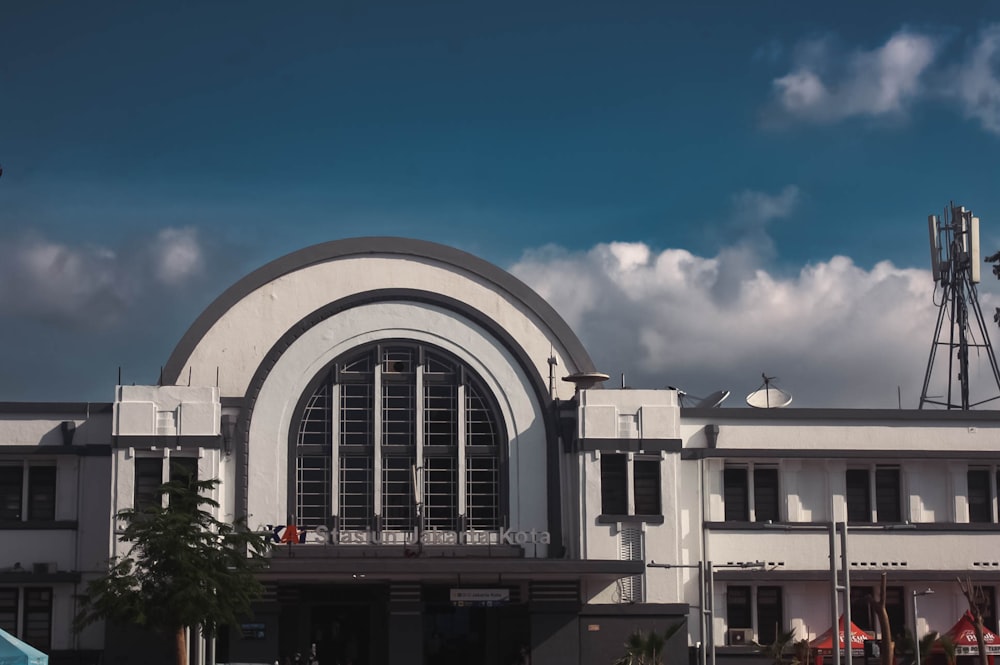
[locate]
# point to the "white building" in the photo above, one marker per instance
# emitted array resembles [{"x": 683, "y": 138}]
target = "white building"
[{"x": 404, "y": 405}]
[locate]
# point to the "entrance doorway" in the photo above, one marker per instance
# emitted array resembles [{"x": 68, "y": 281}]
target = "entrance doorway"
[
  {"x": 458, "y": 635},
  {"x": 335, "y": 623},
  {"x": 341, "y": 635}
]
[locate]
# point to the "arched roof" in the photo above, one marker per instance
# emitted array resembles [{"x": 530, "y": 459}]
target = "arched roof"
[{"x": 380, "y": 246}]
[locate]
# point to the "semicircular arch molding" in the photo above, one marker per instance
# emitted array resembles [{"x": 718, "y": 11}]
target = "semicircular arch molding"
[
  {"x": 229, "y": 338},
  {"x": 267, "y": 420}
]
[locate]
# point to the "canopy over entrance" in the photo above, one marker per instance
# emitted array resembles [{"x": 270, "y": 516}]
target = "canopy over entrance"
[
  {"x": 963, "y": 634},
  {"x": 824, "y": 643},
  {"x": 15, "y": 652}
]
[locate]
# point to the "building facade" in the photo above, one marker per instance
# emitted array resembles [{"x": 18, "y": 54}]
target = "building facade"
[{"x": 464, "y": 489}]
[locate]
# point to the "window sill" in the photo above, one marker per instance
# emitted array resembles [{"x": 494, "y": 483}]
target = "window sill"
[
  {"x": 614, "y": 519},
  {"x": 38, "y": 525}
]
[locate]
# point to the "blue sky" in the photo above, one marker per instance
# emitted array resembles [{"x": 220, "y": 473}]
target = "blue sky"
[{"x": 153, "y": 153}]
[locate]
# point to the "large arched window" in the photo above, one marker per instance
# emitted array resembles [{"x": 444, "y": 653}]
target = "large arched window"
[{"x": 399, "y": 436}]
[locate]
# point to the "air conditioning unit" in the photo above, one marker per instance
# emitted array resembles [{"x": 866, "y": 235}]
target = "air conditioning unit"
[
  {"x": 43, "y": 568},
  {"x": 739, "y": 636}
]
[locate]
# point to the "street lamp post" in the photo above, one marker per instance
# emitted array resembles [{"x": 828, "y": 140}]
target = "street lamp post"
[{"x": 916, "y": 638}]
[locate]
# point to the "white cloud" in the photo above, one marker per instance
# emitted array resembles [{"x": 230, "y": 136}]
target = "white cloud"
[
  {"x": 760, "y": 207},
  {"x": 825, "y": 86},
  {"x": 977, "y": 80},
  {"x": 177, "y": 255},
  {"x": 835, "y": 334},
  {"x": 90, "y": 286}
]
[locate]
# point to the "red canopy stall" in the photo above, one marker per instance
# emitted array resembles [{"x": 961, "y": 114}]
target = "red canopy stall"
[
  {"x": 963, "y": 635},
  {"x": 824, "y": 643}
]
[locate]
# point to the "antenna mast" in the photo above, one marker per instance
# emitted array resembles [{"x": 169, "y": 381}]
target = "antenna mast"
[{"x": 954, "y": 242}]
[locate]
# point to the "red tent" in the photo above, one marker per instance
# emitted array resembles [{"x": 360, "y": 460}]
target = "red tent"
[
  {"x": 824, "y": 643},
  {"x": 963, "y": 634}
]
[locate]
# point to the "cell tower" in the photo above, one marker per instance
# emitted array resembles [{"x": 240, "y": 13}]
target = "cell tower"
[{"x": 956, "y": 267}]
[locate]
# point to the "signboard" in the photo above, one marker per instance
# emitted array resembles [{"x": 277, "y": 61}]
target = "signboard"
[
  {"x": 324, "y": 536},
  {"x": 253, "y": 631},
  {"x": 479, "y": 597}
]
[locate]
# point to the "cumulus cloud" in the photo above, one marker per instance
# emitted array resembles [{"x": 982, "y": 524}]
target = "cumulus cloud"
[
  {"x": 834, "y": 333},
  {"x": 826, "y": 86},
  {"x": 90, "y": 286},
  {"x": 177, "y": 255},
  {"x": 977, "y": 80}
]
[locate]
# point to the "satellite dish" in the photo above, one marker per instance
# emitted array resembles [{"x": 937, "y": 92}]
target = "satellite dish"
[
  {"x": 768, "y": 396},
  {"x": 689, "y": 401},
  {"x": 585, "y": 380},
  {"x": 713, "y": 400}
]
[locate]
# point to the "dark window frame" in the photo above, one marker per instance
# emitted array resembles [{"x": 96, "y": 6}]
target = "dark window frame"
[
  {"x": 980, "y": 495},
  {"x": 346, "y": 413},
  {"x": 763, "y": 482},
  {"x": 28, "y": 491},
  {"x": 645, "y": 489}
]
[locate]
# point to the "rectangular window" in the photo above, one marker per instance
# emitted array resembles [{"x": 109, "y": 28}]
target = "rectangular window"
[
  {"x": 11, "y": 479},
  {"x": 38, "y": 618},
  {"x": 614, "y": 484},
  {"x": 859, "y": 504},
  {"x": 736, "y": 496},
  {"x": 616, "y": 492},
  {"x": 41, "y": 493},
  {"x": 765, "y": 495},
  {"x": 770, "y": 614},
  {"x": 738, "y": 613},
  {"x": 8, "y": 610},
  {"x": 27, "y": 614},
  {"x": 741, "y": 483},
  {"x": 148, "y": 478},
  {"x": 895, "y": 607},
  {"x": 646, "y": 486},
  {"x": 888, "y": 504},
  {"x": 862, "y": 615},
  {"x": 980, "y": 496},
  {"x": 183, "y": 469},
  {"x": 27, "y": 492}
]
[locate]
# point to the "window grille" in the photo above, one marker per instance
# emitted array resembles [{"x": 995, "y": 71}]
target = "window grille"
[
  {"x": 356, "y": 505},
  {"x": 450, "y": 403},
  {"x": 483, "y": 483},
  {"x": 313, "y": 490},
  {"x": 439, "y": 415},
  {"x": 397, "y": 493},
  {"x": 355, "y": 414},
  {"x": 440, "y": 493},
  {"x": 480, "y": 428},
  {"x": 314, "y": 428},
  {"x": 38, "y": 618},
  {"x": 398, "y": 415}
]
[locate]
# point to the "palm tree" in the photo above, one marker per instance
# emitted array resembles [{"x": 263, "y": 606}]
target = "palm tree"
[
  {"x": 643, "y": 649},
  {"x": 776, "y": 649}
]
